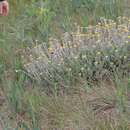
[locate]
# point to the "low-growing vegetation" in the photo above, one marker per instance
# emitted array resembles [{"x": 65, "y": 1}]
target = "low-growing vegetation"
[{"x": 65, "y": 65}]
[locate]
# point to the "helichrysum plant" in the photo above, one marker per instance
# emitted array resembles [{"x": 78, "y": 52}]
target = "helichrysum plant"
[{"x": 90, "y": 53}]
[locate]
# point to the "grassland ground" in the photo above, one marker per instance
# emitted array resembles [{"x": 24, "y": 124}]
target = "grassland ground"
[{"x": 65, "y": 65}]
